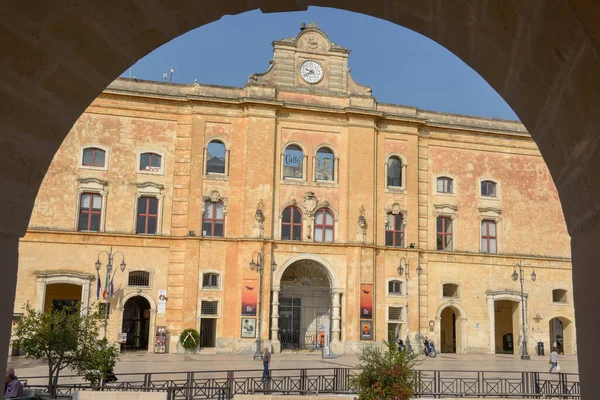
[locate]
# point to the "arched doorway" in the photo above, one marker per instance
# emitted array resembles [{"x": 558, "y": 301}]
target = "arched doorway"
[
  {"x": 304, "y": 306},
  {"x": 507, "y": 326},
  {"x": 136, "y": 323},
  {"x": 561, "y": 335},
  {"x": 449, "y": 330}
]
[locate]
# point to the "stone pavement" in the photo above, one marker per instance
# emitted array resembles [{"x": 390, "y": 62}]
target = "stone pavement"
[{"x": 138, "y": 362}]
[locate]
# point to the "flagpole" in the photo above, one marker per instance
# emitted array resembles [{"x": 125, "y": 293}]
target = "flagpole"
[{"x": 108, "y": 282}]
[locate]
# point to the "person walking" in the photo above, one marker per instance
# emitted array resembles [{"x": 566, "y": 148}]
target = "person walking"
[
  {"x": 13, "y": 387},
  {"x": 554, "y": 360},
  {"x": 266, "y": 364}
]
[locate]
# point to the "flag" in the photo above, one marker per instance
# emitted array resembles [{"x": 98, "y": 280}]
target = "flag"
[
  {"x": 112, "y": 287},
  {"x": 98, "y": 287}
]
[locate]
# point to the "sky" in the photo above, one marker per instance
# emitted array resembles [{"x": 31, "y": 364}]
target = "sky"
[{"x": 401, "y": 66}]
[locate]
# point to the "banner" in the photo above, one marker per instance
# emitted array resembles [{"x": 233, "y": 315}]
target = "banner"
[
  {"x": 366, "y": 301},
  {"x": 249, "y": 296},
  {"x": 162, "y": 302}
]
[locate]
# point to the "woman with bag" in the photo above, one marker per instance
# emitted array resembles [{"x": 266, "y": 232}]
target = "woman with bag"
[{"x": 554, "y": 360}]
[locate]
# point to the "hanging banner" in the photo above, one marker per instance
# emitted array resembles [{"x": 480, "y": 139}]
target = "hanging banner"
[
  {"x": 366, "y": 301},
  {"x": 161, "y": 307},
  {"x": 249, "y": 296}
]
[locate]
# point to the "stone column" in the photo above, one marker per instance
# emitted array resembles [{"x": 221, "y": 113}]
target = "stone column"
[
  {"x": 335, "y": 316},
  {"x": 275, "y": 320},
  {"x": 492, "y": 322}
]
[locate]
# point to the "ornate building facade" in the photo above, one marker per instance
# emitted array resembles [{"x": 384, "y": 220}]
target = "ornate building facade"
[{"x": 369, "y": 221}]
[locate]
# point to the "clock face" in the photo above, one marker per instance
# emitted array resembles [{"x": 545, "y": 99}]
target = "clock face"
[{"x": 311, "y": 71}]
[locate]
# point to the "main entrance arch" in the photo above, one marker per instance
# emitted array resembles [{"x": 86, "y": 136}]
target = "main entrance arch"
[
  {"x": 542, "y": 58},
  {"x": 136, "y": 323}
]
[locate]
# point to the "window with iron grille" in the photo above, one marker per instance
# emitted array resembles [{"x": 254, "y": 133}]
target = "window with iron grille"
[
  {"x": 139, "y": 278},
  {"x": 210, "y": 280},
  {"x": 559, "y": 296},
  {"x": 395, "y": 287},
  {"x": 395, "y": 313},
  {"x": 209, "y": 307},
  {"x": 450, "y": 290}
]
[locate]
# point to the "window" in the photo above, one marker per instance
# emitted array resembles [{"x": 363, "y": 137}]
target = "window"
[
  {"x": 450, "y": 290},
  {"x": 394, "y": 172},
  {"x": 150, "y": 162},
  {"x": 291, "y": 224},
  {"x": 488, "y": 237},
  {"x": 394, "y": 313},
  {"x": 395, "y": 287},
  {"x": 293, "y": 162},
  {"x": 444, "y": 233},
  {"x": 394, "y": 233},
  {"x": 210, "y": 281},
  {"x": 213, "y": 219},
  {"x": 444, "y": 185},
  {"x": 147, "y": 215},
  {"x": 90, "y": 212},
  {"x": 488, "y": 189},
  {"x": 325, "y": 165},
  {"x": 209, "y": 307},
  {"x": 93, "y": 157},
  {"x": 139, "y": 278},
  {"x": 215, "y": 157},
  {"x": 324, "y": 226},
  {"x": 559, "y": 296}
]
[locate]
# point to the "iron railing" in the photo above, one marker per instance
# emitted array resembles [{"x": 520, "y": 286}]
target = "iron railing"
[{"x": 222, "y": 385}]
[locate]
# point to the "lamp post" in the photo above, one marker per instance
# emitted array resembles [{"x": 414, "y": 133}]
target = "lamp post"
[
  {"x": 109, "y": 278},
  {"x": 521, "y": 275},
  {"x": 404, "y": 267},
  {"x": 258, "y": 266}
]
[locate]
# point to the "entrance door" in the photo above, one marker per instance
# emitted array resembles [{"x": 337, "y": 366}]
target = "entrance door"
[
  {"x": 448, "y": 330},
  {"x": 289, "y": 323},
  {"x": 507, "y": 325},
  {"x": 208, "y": 332},
  {"x": 136, "y": 323}
]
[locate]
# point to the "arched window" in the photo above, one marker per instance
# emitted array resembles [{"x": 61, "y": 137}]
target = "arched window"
[
  {"x": 293, "y": 162},
  {"x": 394, "y": 233},
  {"x": 394, "y": 172},
  {"x": 93, "y": 157},
  {"x": 213, "y": 219},
  {"x": 488, "y": 237},
  {"x": 444, "y": 185},
  {"x": 488, "y": 189},
  {"x": 147, "y": 215},
  {"x": 139, "y": 278},
  {"x": 291, "y": 224},
  {"x": 325, "y": 165},
  {"x": 215, "y": 157},
  {"x": 90, "y": 212},
  {"x": 324, "y": 226},
  {"x": 150, "y": 162},
  {"x": 450, "y": 290}
]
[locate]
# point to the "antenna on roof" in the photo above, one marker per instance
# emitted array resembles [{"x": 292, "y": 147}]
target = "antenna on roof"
[
  {"x": 164, "y": 76},
  {"x": 171, "y": 77}
]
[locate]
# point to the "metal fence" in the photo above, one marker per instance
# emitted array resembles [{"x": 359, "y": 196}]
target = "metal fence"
[{"x": 223, "y": 385}]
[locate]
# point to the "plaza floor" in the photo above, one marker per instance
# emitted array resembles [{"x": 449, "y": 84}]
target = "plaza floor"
[{"x": 142, "y": 362}]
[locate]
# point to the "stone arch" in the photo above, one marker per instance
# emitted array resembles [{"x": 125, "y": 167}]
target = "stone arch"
[
  {"x": 152, "y": 322},
  {"x": 552, "y": 84},
  {"x": 332, "y": 275},
  {"x": 568, "y": 335},
  {"x": 460, "y": 328}
]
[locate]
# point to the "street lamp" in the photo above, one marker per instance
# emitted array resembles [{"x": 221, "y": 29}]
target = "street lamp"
[
  {"x": 109, "y": 278},
  {"x": 258, "y": 266},
  {"x": 515, "y": 276},
  {"x": 404, "y": 267}
]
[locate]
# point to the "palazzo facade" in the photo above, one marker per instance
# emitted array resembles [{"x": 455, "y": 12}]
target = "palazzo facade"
[{"x": 369, "y": 221}]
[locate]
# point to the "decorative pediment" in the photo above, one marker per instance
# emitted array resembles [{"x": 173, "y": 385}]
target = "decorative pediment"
[
  {"x": 64, "y": 274},
  {"x": 490, "y": 213},
  {"x": 150, "y": 187},
  {"x": 214, "y": 197},
  {"x": 92, "y": 184},
  {"x": 445, "y": 209}
]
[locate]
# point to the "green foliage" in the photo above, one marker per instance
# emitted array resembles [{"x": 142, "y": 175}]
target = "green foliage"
[
  {"x": 191, "y": 342},
  {"x": 385, "y": 373},
  {"x": 65, "y": 338}
]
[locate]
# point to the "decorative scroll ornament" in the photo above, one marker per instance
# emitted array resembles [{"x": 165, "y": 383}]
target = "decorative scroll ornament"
[
  {"x": 396, "y": 209},
  {"x": 362, "y": 221},
  {"x": 259, "y": 214},
  {"x": 214, "y": 197}
]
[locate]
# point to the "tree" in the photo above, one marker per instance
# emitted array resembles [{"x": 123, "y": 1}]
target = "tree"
[
  {"x": 66, "y": 338},
  {"x": 385, "y": 373}
]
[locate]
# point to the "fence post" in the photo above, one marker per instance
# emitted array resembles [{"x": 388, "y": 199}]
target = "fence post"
[
  {"x": 189, "y": 383},
  {"x": 147, "y": 380},
  {"x": 303, "y": 378},
  {"x": 230, "y": 383}
]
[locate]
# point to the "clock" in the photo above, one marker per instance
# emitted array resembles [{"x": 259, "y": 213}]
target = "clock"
[{"x": 311, "y": 71}]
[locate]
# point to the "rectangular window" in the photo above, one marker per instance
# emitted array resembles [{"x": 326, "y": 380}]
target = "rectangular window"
[
  {"x": 210, "y": 281},
  {"x": 488, "y": 237},
  {"x": 394, "y": 313},
  {"x": 90, "y": 212},
  {"x": 444, "y": 233},
  {"x": 394, "y": 287},
  {"x": 559, "y": 296},
  {"x": 209, "y": 307},
  {"x": 147, "y": 217}
]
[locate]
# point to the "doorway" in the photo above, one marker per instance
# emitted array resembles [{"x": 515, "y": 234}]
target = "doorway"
[
  {"x": 561, "y": 335},
  {"x": 136, "y": 323},
  {"x": 208, "y": 332},
  {"x": 62, "y": 295},
  {"x": 507, "y": 325},
  {"x": 449, "y": 330}
]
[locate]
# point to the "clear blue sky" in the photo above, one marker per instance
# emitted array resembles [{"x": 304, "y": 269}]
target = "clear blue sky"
[{"x": 402, "y": 67}]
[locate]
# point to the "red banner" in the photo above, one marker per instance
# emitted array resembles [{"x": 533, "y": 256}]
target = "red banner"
[
  {"x": 249, "y": 296},
  {"x": 366, "y": 301}
]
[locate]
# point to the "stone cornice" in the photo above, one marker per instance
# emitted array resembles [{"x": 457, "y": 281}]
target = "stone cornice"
[{"x": 64, "y": 273}]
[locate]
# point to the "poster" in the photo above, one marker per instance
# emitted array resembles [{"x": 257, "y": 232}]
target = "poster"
[
  {"x": 248, "y": 327},
  {"x": 366, "y": 330},
  {"x": 162, "y": 302},
  {"x": 249, "y": 296},
  {"x": 366, "y": 301}
]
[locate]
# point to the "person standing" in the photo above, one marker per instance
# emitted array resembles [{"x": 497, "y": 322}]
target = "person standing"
[
  {"x": 553, "y": 359},
  {"x": 266, "y": 364},
  {"x": 13, "y": 387}
]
